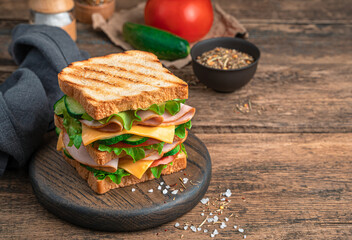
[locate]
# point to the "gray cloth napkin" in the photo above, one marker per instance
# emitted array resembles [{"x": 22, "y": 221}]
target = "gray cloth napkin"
[{"x": 28, "y": 95}]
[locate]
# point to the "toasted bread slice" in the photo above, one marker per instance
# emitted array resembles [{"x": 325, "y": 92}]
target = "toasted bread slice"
[
  {"x": 120, "y": 82},
  {"x": 102, "y": 186}
]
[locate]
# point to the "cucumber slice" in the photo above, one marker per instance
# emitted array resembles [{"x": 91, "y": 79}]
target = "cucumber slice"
[
  {"x": 135, "y": 140},
  {"x": 67, "y": 154},
  {"x": 172, "y": 152},
  {"x": 57, "y": 130},
  {"x": 114, "y": 140},
  {"x": 59, "y": 107},
  {"x": 73, "y": 107}
]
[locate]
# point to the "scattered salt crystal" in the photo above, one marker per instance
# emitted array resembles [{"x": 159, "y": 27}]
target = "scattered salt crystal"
[
  {"x": 227, "y": 193},
  {"x": 211, "y": 214},
  {"x": 164, "y": 191},
  {"x": 215, "y": 232},
  {"x": 162, "y": 183},
  {"x": 133, "y": 190},
  {"x": 241, "y": 230},
  {"x": 167, "y": 186},
  {"x": 199, "y": 229},
  {"x": 244, "y": 236},
  {"x": 174, "y": 192},
  {"x": 193, "y": 228},
  {"x": 177, "y": 224},
  {"x": 222, "y": 199},
  {"x": 226, "y": 219},
  {"x": 185, "y": 227},
  {"x": 212, "y": 235},
  {"x": 202, "y": 214},
  {"x": 210, "y": 219},
  {"x": 223, "y": 225},
  {"x": 150, "y": 190},
  {"x": 185, "y": 180},
  {"x": 159, "y": 187},
  {"x": 235, "y": 227},
  {"x": 216, "y": 218},
  {"x": 205, "y": 230},
  {"x": 204, "y": 200}
]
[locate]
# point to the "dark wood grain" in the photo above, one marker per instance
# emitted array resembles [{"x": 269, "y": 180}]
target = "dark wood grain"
[
  {"x": 287, "y": 161},
  {"x": 59, "y": 188}
]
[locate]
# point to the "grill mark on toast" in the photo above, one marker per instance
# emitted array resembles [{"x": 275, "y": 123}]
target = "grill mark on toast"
[
  {"x": 125, "y": 79},
  {"x": 97, "y": 80},
  {"x": 137, "y": 73},
  {"x": 98, "y": 89}
]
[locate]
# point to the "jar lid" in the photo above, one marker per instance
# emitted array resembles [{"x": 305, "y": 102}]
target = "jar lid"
[{"x": 51, "y": 6}]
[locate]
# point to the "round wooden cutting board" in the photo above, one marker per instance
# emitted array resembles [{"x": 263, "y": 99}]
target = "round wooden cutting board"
[{"x": 59, "y": 188}]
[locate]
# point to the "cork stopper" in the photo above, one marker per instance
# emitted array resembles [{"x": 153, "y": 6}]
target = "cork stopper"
[{"x": 51, "y": 6}]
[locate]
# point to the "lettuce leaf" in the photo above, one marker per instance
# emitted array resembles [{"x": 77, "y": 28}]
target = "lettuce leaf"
[
  {"x": 73, "y": 128},
  {"x": 128, "y": 117},
  {"x": 101, "y": 175},
  {"x": 156, "y": 171},
  {"x": 180, "y": 130},
  {"x": 183, "y": 149},
  {"x": 137, "y": 153}
]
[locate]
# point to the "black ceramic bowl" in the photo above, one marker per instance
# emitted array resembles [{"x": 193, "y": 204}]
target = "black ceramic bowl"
[{"x": 224, "y": 80}]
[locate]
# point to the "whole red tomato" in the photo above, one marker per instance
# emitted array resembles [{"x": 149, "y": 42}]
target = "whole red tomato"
[{"x": 189, "y": 19}]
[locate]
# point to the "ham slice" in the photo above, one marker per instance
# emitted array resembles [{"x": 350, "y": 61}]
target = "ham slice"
[
  {"x": 149, "y": 118},
  {"x": 81, "y": 155},
  {"x": 114, "y": 125}
]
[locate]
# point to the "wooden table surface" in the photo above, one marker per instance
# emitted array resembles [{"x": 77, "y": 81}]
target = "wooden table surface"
[{"x": 287, "y": 160}]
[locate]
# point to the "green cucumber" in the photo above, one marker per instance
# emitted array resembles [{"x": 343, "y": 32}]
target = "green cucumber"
[
  {"x": 59, "y": 107},
  {"x": 172, "y": 152},
  {"x": 163, "y": 44},
  {"x": 113, "y": 140},
  {"x": 135, "y": 140},
  {"x": 73, "y": 107}
]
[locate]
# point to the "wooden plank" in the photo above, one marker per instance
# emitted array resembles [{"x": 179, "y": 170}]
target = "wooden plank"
[
  {"x": 284, "y": 186},
  {"x": 256, "y": 9}
]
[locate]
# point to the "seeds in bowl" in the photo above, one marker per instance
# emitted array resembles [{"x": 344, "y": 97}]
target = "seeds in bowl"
[{"x": 225, "y": 59}]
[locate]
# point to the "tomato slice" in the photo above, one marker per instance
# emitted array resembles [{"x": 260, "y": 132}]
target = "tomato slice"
[
  {"x": 164, "y": 160},
  {"x": 150, "y": 141}
]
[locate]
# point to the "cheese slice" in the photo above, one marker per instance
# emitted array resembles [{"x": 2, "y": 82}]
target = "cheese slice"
[
  {"x": 164, "y": 134},
  {"x": 135, "y": 168},
  {"x": 60, "y": 143}
]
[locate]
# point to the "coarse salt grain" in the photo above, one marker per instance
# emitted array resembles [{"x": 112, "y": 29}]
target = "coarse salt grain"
[
  {"x": 177, "y": 224},
  {"x": 216, "y": 218},
  {"x": 164, "y": 191},
  {"x": 235, "y": 227},
  {"x": 241, "y": 230},
  {"x": 215, "y": 232},
  {"x": 150, "y": 190},
  {"x": 227, "y": 193},
  {"x": 199, "y": 229},
  {"x": 244, "y": 236},
  {"x": 222, "y": 199},
  {"x": 205, "y": 230},
  {"x": 162, "y": 183},
  {"x": 211, "y": 214},
  {"x": 185, "y": 227},
  {"x": 210, "y": 219},
  {"x": 159, "y": 187},
  {"x": 202, "y": 214},
  {"x": 212, "y": 235},
  {"x": 174, "y": 192},
  {"x": 167, "y": 186},
  {"x": 223, "y": 225},
  {"x": 193, "y": 228},
  {"x": 185, "y": 180},
  {"x": 204, "y": 200},
  {"x": 226, "y": 219},
  {"x": 133, "y": 190}
]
